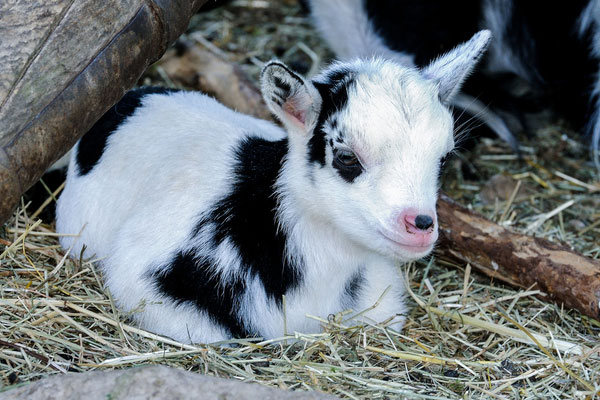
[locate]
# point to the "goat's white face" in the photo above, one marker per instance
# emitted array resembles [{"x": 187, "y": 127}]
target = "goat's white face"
[
  {"x": 393, "y": 132},
  {"x": 366, "y": 143}
]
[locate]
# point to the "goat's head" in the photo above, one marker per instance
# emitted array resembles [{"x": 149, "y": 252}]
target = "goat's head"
[{"x": 366, "y": 141}]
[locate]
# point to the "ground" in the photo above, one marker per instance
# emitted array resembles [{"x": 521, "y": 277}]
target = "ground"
[{"x": 466, "y": 336}]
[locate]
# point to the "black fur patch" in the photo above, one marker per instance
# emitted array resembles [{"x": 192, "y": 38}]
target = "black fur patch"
[
  {"x": 334, "y": 94},
  {"x": 562, "y": 60},
  {"x": 92, "y": 144},
  {"x": 425, "y": 28},
  {"x": 544, "y": 36},
  {"x": 189, "y": 279},
  {"x": 247, "y": 218},
  {"x": 353, "y": 289},
  {"x": 283, "y": 86}
]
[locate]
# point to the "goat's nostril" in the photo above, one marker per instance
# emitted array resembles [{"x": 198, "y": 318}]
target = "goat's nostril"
[{"x": 423, "y": 222}]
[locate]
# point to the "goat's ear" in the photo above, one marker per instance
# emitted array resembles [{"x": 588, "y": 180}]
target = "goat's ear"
[
  {"x": 451, "y": 69},
  {"x": 294, "y": 101}
]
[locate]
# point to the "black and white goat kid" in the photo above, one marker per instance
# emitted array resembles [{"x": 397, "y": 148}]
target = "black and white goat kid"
[
  {"x": 544, "y": 55},
  {"x": 203, "y": 218}
]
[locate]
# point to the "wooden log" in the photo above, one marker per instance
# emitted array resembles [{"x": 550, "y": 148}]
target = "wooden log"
[
  {"x": 568, "y": 277},
  {"x": 63, "y": 63}
]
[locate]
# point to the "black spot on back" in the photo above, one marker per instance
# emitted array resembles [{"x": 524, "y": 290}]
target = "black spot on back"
[
  {"x": 247, "y": 218},
  {"x": 334, "y": 94},
  {"x": 92, "y": 144}
]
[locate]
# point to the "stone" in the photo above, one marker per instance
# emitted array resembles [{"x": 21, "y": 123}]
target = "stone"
[{"x": 149, "y": 383}]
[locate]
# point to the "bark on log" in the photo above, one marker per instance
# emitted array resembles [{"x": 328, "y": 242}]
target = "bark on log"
[
  {"x": 568, "y": 277},
  {"x": 63, "y": 63}
]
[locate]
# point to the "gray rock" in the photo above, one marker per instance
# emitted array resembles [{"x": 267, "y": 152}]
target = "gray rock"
[{"x": 149, "y": 382}]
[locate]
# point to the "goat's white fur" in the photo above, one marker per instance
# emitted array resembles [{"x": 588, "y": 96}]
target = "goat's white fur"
[{"x": 444, "y": 70}]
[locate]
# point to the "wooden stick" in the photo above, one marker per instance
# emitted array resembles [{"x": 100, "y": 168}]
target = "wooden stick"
[{"x": 566, "y": 276}]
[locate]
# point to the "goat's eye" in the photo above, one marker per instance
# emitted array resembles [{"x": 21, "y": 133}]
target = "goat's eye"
[
  {"x": 347, "y": 164},
  {"x": 346, "y": 158}
]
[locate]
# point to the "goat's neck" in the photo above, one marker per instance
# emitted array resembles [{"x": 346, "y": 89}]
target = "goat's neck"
[{"x": 310, "y": 233}]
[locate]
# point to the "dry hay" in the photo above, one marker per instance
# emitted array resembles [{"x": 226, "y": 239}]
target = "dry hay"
[{"x": 465, "y": 337}]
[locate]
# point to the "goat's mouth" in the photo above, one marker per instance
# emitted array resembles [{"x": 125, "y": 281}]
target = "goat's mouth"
[{"x": 413, "y": 243}]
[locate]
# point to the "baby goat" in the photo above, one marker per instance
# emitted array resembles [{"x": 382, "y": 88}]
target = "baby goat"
[{"x": 203, "y": 218}]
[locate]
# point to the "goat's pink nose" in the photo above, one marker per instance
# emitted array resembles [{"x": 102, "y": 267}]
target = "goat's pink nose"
[
  {"x": 417, "y": 223},
  {"x": 414, "y": 229}
]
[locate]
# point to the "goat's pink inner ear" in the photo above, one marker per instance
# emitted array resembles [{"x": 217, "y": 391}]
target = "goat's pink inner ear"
[{"x": 291, "y": 108}]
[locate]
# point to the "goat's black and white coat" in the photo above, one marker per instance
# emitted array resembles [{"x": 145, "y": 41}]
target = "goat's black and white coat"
[
  {"x": 203, "y": 218},
  {"x": 553, "y": 47}
]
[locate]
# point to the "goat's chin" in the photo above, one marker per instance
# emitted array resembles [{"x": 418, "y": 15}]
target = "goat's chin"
[
  {"x": 402, "y": 248},
  {"x": 404, "y": 253},
  {"x": 412, "y": 254}
]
